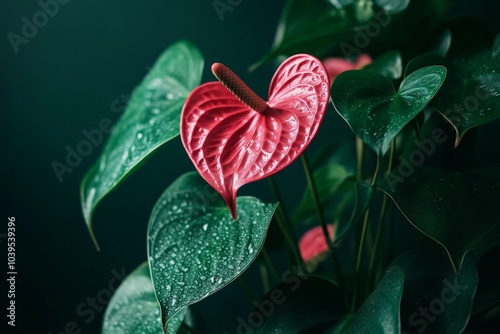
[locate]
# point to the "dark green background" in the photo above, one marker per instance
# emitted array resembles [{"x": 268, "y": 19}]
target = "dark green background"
[{"x": 64, "y": 81}]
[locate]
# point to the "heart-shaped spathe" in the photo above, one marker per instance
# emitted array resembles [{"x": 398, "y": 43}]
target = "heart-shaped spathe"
[{"x": 232, "y": 144}]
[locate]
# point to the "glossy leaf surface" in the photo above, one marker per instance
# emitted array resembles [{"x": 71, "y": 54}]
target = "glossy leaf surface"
[
  {"x": 151, "y": 119},
  {"x": 375, "y": 111},
  {"x": 471, "y": 93},
  {"x": 195, "y": 247},
  {"x": 135, "y": 309},
  {"x": 436, "y": 299},
  {"x": 380, "y": 311},
  {"x": 231, "y": 145},
  {"x": 445, "y": 206}
]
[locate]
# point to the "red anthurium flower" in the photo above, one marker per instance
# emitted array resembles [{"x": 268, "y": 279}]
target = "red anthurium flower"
[
  {"x": 234, "y": 137},
  {"x": 335, "y": 66},
  {"x": 313, "y": 244}
]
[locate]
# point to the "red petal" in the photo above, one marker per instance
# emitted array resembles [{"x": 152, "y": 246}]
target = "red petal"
[{"x": 232, "y": 145}]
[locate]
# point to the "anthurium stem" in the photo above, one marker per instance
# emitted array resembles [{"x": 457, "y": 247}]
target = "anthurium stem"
[
  {"x": 239, "y": 89},
  {"x": 270, "y": 264},
  {"x": 265, "y": 278},
  {"x": 321, "y": 217},
  {"x": 359, "y": 157},
  {"x": 284, "y": 225},
  {"x": 357, "y": 272},
  {"x": 381, "y": 221}
]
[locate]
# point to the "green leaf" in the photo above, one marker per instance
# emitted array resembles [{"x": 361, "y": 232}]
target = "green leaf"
[
  {"x": 457, "y": 210},
  {"x": 372, "y": 108},
  {"x": 151, "y": 119},
  {"x": 317, "y": 26},
  {"x": 380, "y": 311},
  {"x": 310, "y": 304},
  {"x": 436, "y": 299},
  {"x": 470, "y": 94},
  {"x": 195, "y": 247},
  {"x": 389, "y": 65},
  {"x": 135, "y": 309},
  {"x": 392, "y": 5}
]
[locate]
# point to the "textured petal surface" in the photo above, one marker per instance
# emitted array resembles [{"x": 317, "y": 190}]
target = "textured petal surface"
[{"x": 232, "y": 145}]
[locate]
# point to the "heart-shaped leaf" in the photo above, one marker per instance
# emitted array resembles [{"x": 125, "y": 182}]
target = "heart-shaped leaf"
[
  {"x": 150, "y": 120},
  {"x": 195, "y": 247},
  {"x": 471, "y": 93},
  {"x": 445, "y": 206},
  {"x": 372, "y": 108},
  {"x": 310, "y": 304},
  {"x": 134, "y": 308},
  {"x": 435, "y": 298},
  {"x": 232, "y": 144}
]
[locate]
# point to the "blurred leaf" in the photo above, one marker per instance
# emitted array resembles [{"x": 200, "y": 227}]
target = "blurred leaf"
[
  {"x": 317, "y": 26},
  {"x": 195, "y": 247},
  {"x": 151, "y": 119},
  {"x": 328, "y": 180},
  {"x": 458, "y": 210},
  {"x": 435, "y": 298},
  {"x": 135, "y": 309},
  {"x": 389, "y": 65},
  {"x": 310, "y": 304},
  {"x": 372, "y": 108},
  {"x": 392, "y": 5},
  {"x": 470, "y": 94},
  {"x": 341, "y": 152}
]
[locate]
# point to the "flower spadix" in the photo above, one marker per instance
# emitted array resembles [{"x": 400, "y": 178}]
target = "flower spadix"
[{"x": 234, "y": 137}]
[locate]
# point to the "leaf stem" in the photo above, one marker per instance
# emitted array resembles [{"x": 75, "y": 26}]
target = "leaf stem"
[
  {"x": 321, "y": 217},
  {"x": 357, "y": 272},
  {"x": 381, "y": 222},
  {"x": 360, "y": 148},
  {"x": 265, "y": 278},
  {"x": 285, "y": 226},
  {"x": 271, "y": 265}
]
